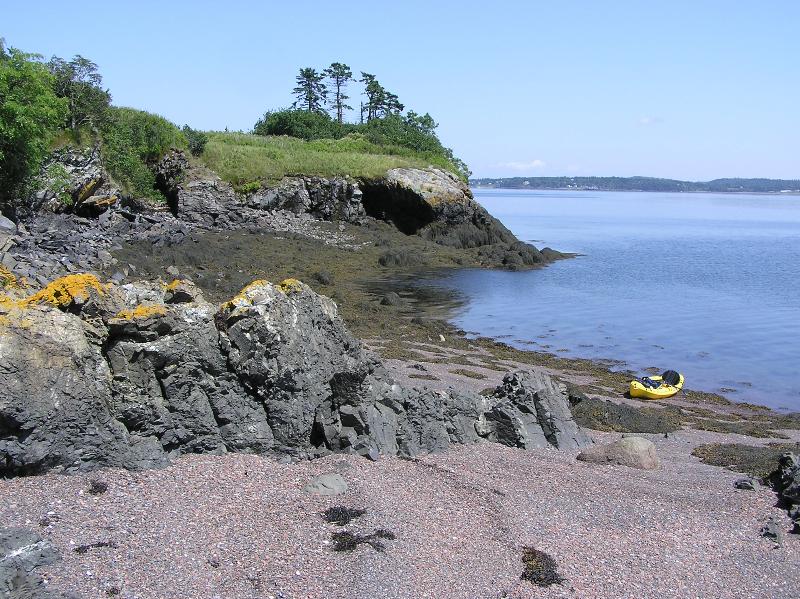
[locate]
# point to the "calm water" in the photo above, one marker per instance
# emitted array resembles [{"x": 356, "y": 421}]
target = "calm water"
[{"x": 707, "y": 284}]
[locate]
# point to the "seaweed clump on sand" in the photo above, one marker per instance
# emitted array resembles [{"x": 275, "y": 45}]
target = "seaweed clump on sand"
[
  {"x": 348, "y": 541},
  {"x": 540, "y": 568}
]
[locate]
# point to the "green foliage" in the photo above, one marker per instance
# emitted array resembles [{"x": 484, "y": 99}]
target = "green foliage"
[
  {"x": 30, "y": 113},
  {"x": 197, "y": 140},
  {"x": 412, "y": 135},
  {"x": 310, "y": 90},
  {"x": 132, "y": 141},
  {"x": 56, "y": 180},
  {"x": 81, "y": 85},
  {"x": 301, "y": 124}
]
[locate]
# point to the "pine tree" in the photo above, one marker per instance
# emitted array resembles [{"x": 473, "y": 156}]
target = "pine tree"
[
  {"x": 339, "y": 74},
  {"x": 310, "y": 92}
]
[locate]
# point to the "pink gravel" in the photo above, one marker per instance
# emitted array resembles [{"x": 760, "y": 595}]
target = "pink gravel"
[{"x": 241, "y": 526}]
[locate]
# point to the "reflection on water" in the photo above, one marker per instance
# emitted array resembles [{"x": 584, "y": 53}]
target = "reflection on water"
[{"x": 708, "y": 284}]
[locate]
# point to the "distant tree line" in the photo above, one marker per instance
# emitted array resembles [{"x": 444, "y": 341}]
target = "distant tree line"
[
  {"x": 321, "y": 103},
  {"x": 641, "y": 184}
]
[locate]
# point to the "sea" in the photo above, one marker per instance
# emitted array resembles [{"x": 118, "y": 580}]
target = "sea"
[{"x": 706, "y": 284}]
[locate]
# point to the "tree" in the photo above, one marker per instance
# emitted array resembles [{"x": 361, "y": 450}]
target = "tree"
[
  {"x": 30, "y": 114},
  {"x": 311, "y": 92},
  {"x": 380, "y": 102},
  {"x": 339, "y": 74},
  {"x": 79, "y": 82}
]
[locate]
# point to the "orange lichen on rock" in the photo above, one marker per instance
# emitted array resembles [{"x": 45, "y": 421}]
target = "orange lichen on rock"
[
  {"x": 66, "y": 290},
  {"x": 290, "y": 286},
  {"x": 142, "y": 311}
]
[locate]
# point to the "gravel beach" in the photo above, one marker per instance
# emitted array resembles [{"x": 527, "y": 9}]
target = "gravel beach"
[{"x": 242, "y": 526}]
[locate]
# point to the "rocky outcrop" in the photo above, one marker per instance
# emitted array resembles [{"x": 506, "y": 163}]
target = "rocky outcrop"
[
  {"x": 437, "y": 205},
  {"x": 95, "y": 374},
  {"x": 71, "y": 180},
  {"x": 786, "y": 480},
  {"x": 335, "y": 198}
]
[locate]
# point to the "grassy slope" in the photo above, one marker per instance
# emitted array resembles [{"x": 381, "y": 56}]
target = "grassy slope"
[{"x": 241, "y": 158}]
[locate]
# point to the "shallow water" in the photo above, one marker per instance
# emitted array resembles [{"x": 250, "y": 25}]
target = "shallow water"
[{"x": 707, "y": 284}]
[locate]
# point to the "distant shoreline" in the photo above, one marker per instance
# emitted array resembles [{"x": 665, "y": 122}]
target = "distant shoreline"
[
  {"x": 641, "y": 184},
  {"x": 764, "y": 193}
]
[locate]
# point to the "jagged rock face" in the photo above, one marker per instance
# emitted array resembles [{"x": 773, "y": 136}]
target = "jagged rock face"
[
  {"x": 96, "y": 375},
  {"x": 334, "y": 198},
  {"x": 72, "y": 180}
]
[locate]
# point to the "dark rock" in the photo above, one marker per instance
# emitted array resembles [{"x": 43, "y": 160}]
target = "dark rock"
[
  {"x": 132, "y": 375},
  {"x": 393, "y": 299},
  {"x": 336, "y": 198},
  {"x": 531, "y": 410},
  {"x": 604, "y": 415},
  {"x": 746, "y": 484},
  {"x": 22, "y": 552},
  {"x": 772, "y": 530},
  {"x": 786, "y": 480}
]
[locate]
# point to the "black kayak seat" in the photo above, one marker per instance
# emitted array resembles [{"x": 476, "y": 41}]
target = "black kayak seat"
[{"x": 671, "y": 377}]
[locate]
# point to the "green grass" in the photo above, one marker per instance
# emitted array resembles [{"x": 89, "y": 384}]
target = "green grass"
[{"x": 242, "y": 159}]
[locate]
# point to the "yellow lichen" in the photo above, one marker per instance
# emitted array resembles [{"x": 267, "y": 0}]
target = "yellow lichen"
[
  {"x": 66, "y": 290},
  {"x": 9, "y": 280},
  {"x": 290, "y": 286},
  {"x": 173, "y": 285},
  {"x": 142, "y": 311},
  {"x": 241, "y": 297}
]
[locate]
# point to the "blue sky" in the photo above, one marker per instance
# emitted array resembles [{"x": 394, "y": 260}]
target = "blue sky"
[{"x": 689, "y": 90}]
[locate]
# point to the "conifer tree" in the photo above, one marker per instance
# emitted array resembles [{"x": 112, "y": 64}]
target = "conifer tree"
[
  {"x": 339, "y": 74},
  {"x": 310, "y": 92}
]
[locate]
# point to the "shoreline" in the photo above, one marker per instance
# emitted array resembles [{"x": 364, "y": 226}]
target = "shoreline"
[{"x": 755, "y": 193}]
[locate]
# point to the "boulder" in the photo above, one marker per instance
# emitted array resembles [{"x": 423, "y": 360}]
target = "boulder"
[
  {"x": 531, "y": 410},
  {"x": 326, "y": 484},
  {"x": 634, "y": 452},
  {"x": 22, "y": 552},
  {"x": 746, "y": 484}
]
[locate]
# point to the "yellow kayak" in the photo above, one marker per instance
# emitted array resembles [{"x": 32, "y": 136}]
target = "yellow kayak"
[{"x": 657, "y": 387}]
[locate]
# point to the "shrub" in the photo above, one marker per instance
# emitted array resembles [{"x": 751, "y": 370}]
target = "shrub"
[
  {"x": 196, "y": 139},
  {"x": 131, "y": 142},
  {"x": 301, "y": 124}
]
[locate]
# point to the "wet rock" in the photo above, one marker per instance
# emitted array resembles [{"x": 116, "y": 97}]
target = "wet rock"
[
  {"x": 326, "y": 484},
  {"x": 634, "y": 452}
]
